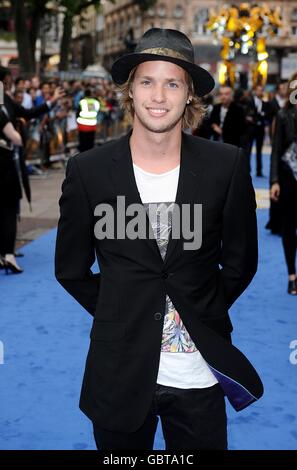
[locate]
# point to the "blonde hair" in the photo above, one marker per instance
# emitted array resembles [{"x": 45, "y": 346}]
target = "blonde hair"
[{"x": 194, "y": 111}]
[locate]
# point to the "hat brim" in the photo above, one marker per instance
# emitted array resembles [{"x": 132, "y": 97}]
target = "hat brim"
[{"x": 202, "y": 80}]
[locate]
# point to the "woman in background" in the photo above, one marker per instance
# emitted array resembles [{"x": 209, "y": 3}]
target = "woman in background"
[
  {"x": 282, "y": 180},
  {"x": 10, "y": 193}
]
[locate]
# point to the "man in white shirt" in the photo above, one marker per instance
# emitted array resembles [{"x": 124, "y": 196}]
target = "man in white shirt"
[
  {"x": 160, "y": 340},
  {"x": 20, "y": 86},
  {"x": 258, "y": 118}
]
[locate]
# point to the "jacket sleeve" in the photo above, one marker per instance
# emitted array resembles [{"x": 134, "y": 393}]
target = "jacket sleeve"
[
  {"x": 75, "y": 252},
  {"x": 239, "y": 250},
  {"x": 31, "y": 113},
  {"x": 240, "y": 118},
  {"x": 214, "y": 119},
  {"x": 277, "y": 147}
]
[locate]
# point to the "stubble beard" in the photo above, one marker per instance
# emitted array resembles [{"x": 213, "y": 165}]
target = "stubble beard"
[{"x": 166, "y": 127}]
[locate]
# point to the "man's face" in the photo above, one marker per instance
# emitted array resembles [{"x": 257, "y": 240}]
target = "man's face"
[
  {"x": 45, "y": 90},
  {"x": 21, "y": 85},
  {"x": 7, "y": 82},
  {"x": 282, "y": 89},
  {"x": 259, "y": 92},
  {"x": 159, "y": 91},
  {"x": 225, "y": 95},
  {"x": 35, "y": 82},
  {"x": 19, "y": 97}
]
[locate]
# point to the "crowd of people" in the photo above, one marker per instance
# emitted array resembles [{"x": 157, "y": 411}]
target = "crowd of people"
[
  {"x": 245, "y": 117},
  {"x": 41, "y": 119},
  {"x": 50, "y": 132}
]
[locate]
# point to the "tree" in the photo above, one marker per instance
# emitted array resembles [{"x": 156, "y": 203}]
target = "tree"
[
  {"x": 27, "y": 16},
  {"x": 74, "y": 8},
  {"x": 71, "y": 8}
]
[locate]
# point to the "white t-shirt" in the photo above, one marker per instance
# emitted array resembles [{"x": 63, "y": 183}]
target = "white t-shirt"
[
  {"x": 27, "y": 101},
  {"x": 181, "y": 364}
]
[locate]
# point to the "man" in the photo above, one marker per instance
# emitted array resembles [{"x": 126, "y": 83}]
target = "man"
[
  {"x": 277, "y": 103},
  {"x": 227, "y": 119},
  {"x": 257, "y": 118},
  {"x": 20, "y": 85},
  {"x": 88, "y": 109},
  {"x": 160, "y": 341}
]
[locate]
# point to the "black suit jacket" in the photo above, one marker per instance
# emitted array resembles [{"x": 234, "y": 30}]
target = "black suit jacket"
[
  {"x": 15, "y": 110},
  {"x": 234, "y": 124},
  {"x": 123, "y": 359},
  {"x": 258, "y": 119}
]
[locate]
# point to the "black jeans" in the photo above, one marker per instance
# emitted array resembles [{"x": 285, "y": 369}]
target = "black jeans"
[
  {"x": 288, "y": 199},
  {"x": 86, "y": 140},
  {"x": 192, "y": 419},
  {"x": 258, "y": 134}
]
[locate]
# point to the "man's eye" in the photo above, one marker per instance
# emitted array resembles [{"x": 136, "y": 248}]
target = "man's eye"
[
  {"x": 145, "y": 82},
  {"x": 173, "y": 85}
]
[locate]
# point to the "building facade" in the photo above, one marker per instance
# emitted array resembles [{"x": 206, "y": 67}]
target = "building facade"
[{"x": 124, "y": 24}]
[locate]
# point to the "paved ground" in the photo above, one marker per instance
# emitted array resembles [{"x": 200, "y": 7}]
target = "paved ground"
[
  {"x": 45, "y": 209},
  {"x": 46, "y": 190}
]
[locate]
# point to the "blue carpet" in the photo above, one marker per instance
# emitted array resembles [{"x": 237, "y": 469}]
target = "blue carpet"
[{"x": 45, "y": 335}]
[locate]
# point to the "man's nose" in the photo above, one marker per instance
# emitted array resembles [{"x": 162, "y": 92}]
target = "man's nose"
[{"x": 158, "y": 94}]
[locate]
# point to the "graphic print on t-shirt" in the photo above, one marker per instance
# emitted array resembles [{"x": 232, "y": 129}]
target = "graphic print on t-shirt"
[{"x": 175, "y": 336}]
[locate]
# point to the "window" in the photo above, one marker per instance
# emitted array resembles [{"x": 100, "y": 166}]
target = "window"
[
  {"x": 151, "y": 12},
  {"x": 200, "y": 21},
  {"x": 108, "y": 33},
  {"x": 121, "y": 30},
  {"x": 114, "y": 38},
  {"x": 294, "y": 14},
  {"x": 162, "y": 10},
  {"x": 178, "y": 12},
  {"x": 294, "y": 30}
]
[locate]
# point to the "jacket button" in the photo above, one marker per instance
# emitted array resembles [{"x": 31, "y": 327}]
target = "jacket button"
[
  {"x": 164, "y": 275},
  {"x": 157, "y": 316}
]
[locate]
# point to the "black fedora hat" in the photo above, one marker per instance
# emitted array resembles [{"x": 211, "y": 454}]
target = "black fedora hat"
[{"x": 169, "y": 45}]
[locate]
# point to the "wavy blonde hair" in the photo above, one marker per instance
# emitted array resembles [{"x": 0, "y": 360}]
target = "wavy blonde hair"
[{"x": 194, "y": 111}]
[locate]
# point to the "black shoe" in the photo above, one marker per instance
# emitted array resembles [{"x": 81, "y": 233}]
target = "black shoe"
[
  {"x": 292, "y": 287},
  {"x": 8, "y": 265}
]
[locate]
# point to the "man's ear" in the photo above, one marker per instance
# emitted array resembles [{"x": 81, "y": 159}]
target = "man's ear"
[{"x": 130, "y": 93}]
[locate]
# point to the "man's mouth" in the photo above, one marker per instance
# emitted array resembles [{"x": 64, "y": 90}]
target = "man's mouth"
[{"x": 157, "y": 112}]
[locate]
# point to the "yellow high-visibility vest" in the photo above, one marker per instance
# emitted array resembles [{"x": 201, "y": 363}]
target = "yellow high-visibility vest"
[{"x": 89, "y": 108}]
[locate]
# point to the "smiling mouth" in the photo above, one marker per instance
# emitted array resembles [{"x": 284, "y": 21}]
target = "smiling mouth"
[{"x": 157, "y": 112}]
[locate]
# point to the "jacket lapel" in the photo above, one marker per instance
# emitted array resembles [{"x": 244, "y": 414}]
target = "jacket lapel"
[
  {"x": 190, "y": 176},
  {"x": 188, "y": 184}
]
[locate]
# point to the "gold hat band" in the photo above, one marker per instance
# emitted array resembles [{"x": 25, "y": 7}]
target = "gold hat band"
[{"x": 164, "y": 51}]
